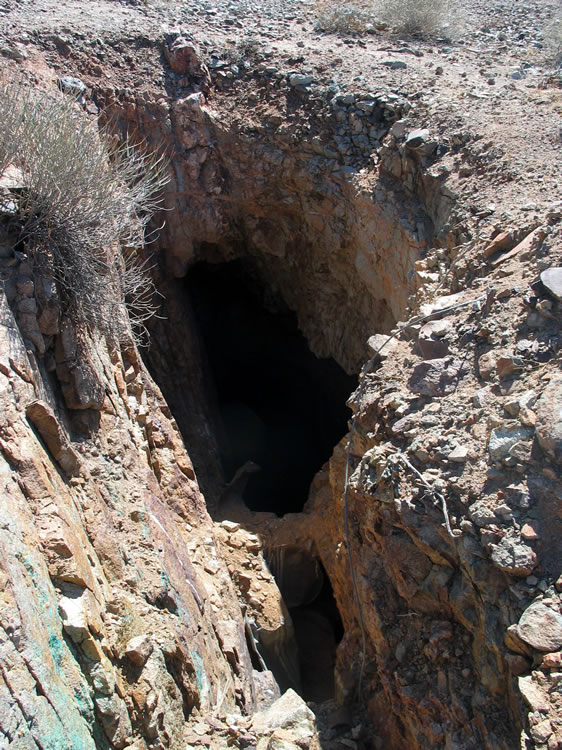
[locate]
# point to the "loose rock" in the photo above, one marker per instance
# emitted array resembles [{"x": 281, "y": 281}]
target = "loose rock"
[
  {"x": 549, "y": 419},
  {"x": 541, "y": 627},
  {"x": 552, "y": 281}
]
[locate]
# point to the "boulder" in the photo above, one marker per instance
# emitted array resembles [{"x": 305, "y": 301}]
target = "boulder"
[
  {"x": 138, "y": 650},
  {"x": 183, "y": 57},
  {"x": 534, "y": 696},
  {"x": 541, "y": 627},
  {"x": 71, "y": 85},
  {"x": 432, "y": 339},
  {"x": 381, "y": 345},
  {"x": 504, "y": 438},
  {"x": 514, "y": 557},
  {"x": 290, "y": 712}
]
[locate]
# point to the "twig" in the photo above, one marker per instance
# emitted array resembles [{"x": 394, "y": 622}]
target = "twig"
[
  {"x": 434, "y": 492},
  {"x": 435, "y": 313}
]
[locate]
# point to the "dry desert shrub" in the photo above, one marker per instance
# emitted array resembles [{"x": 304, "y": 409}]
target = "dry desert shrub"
[
  {"x": 416, "y": 17},
  {"x": 413, "y": 17},
  {"x": 553, "y": 42},
  {"x": 350, "y": 17},
  {"x": 82, "y": 198}
]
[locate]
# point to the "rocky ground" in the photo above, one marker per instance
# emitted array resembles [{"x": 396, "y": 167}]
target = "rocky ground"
[{"x": 382, "y": 185}]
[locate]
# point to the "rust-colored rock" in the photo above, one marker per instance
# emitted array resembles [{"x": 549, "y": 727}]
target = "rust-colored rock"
[{"x": 43, "y": 418}]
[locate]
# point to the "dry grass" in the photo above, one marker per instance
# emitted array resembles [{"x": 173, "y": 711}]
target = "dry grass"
[{"x": 416, "y": 17}]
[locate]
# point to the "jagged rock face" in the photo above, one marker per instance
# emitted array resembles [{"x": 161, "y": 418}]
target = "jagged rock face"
[
  {"x": 340, "y": 252},
  {"x": 121, "y": 618},
  {"x": 454, "y": 557},
  {"x": 113, "y": 588}
]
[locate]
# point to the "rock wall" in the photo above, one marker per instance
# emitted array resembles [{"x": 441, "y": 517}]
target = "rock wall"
[
  {"x": 323, "y": 191},
  {"x": 119, "y": 616}
]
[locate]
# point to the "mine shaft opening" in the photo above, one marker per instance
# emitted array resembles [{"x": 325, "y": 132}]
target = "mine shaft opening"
[
  {"x": 317, "y": 624},
  {"x": 318, "y": 631},
  {"x": 279, "y": 406}
]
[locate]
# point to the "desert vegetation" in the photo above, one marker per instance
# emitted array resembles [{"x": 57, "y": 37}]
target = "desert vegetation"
[
  {"x": 81, "y": 204},
  {"x": 553, "y": 42},
  {"x": 413, "y": 17}
]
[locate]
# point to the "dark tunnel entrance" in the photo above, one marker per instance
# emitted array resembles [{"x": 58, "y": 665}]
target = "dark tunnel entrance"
[
  {"x": 318, "y": 628},
  {"x": 280, "y": 406}
]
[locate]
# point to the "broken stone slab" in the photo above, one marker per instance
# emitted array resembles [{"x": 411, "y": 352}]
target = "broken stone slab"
[
  {"x": 548, "y": 427},
  {"x": 431, "y": 339},
  {"x": 529, "y": 531},
  {"x": 541, "y": 627},
  {"x": 288, "y": 712},
  {"x": 514, "y": 643},
  {"x": 381, "y": 345},
  {"x": 481, "y": 514},
  {"x": 14, "y": 51},
  {"x": 138, "y": 650},
  {"x": 71, "y": 85},
  {"x": 504, "y": 438},
  {"x": 299, "y": 79},
  {"x": 541, "y": 732},
  {"x": 115, "y": 719},
  {"x": 398, "y": 130},
  {"x": 437, "y": 377},
  {"x": 508, "y": 365},
  {"x": 230, "y": 526},
  {"x": 532, "y": 240},
  {"x": 443, "y": 303},
  {"x": 75, "y": 617},
  {"x": 533, "y": 694},
  {"x": 487, "y": 365},
  {"x": 102, "y": 677},
  {"x": 281, "y": 739},
  {"x": 458, "y": 454},
  {"x": 416, "y": 138},
  {"x": 398, "y": 65},
  {"x": 552, "y": 281},
  {"x": 43, "y": 418},
  {"x": 481, "y": 398},
  {"x": 501, "y": 241},
  {"x": 183, "y": 57},
  {"x": 552, "y": 661}
]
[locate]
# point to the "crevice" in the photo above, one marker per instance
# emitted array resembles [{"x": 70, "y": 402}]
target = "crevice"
[
  {"x": 317, "y": 624},
  {"x": 182, "y": 673}
]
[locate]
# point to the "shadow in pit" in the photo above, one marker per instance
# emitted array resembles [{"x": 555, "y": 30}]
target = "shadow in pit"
[{"x": 279, "y": 406}]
